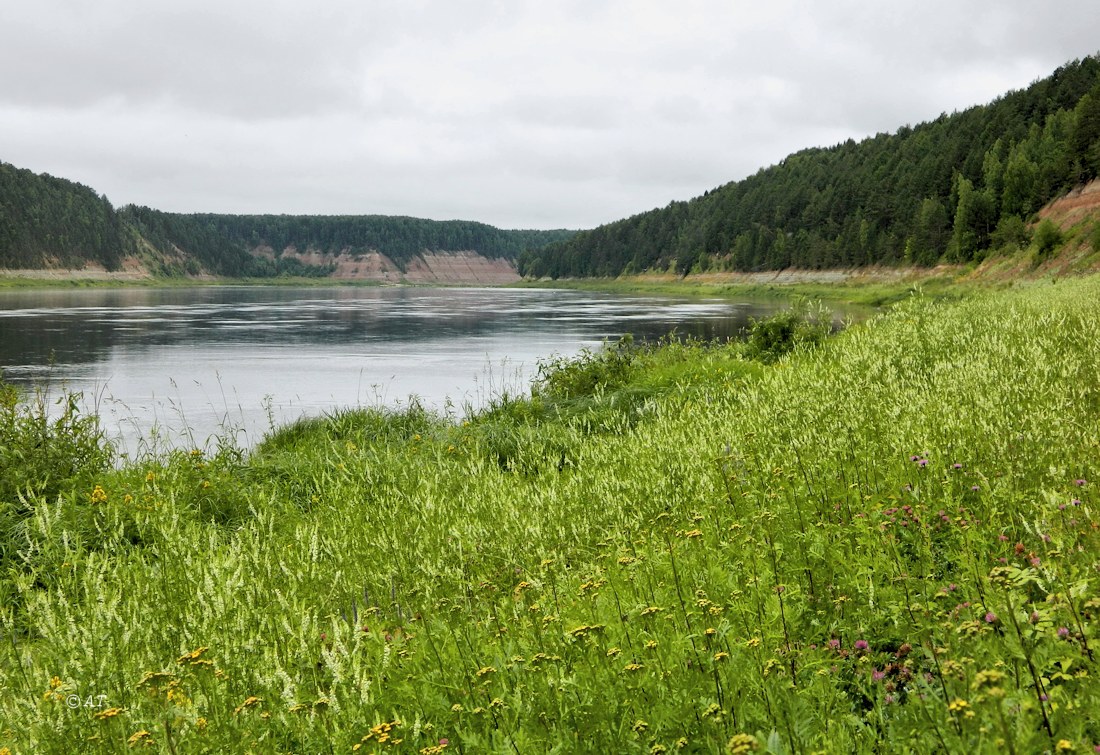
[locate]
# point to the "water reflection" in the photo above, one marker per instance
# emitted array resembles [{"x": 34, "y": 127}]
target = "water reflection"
[{"x": 243, "y": 357}]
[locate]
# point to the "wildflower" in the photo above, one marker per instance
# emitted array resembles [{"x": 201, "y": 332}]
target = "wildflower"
[
  {"x": 1064, "y": 745},
  {"x": 990, "y": 617},
  {"x": 1063, "y": 632},
  {"x": 1079, "y": 483},
  {"x": 958, "y": 704},
  {"x": 612, "y": 652},
  {"x": 192, "y": 656},
  {"x": 742, "y": 743},
  {"x": 248, "y": 703},
  {"x": 1034, "y": 618},
  {"x": 877, "y": 675},
  {"x": 861, "y": 645},
  {"x": 142, "y": 737},
  {"x": 633, "y": 667},
  {"x": 99, "y": 495},
  {"x": 109, "y": 713},
  {"x": 721, "y": 655},
  {"x": 651, "y": 645},
  {"x": 710, "y": 631},
  {"x": 975, "y": 488},
  {"x": 956, "y": 465},
  {"x": 484, "y": 670},
  {"x": 639, "y": 726},
  {"x": 834, "y": 644}
]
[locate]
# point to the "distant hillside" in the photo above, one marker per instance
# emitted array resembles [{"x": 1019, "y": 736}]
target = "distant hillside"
[
  {"x": 951, "y": 190},
  {"x": 52, "y": 223}
]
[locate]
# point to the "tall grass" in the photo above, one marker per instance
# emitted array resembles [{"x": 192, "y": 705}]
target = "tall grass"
[{"x": 884, "y": 543}]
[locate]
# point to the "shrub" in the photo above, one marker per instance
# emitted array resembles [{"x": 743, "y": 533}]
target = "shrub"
[
  {"x": 42, "y": 456},
  {"x": 774, "y": 336},
  {"x": 1047, "y": 237}
]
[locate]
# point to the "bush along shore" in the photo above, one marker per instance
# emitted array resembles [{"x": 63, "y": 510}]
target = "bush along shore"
[{"x": 880, "y": 541}]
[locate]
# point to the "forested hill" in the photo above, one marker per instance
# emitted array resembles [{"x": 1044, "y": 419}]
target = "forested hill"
[
  {"x": 953, "y": 189},
  {"x": 48, "y": 222}
]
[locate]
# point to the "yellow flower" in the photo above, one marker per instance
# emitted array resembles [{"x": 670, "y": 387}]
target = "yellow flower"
[
  {"x": 484, "y": 670},
  {"x": 721, "y": 655},
  {"x": 109, "y": 713},
  {"x": 1064, "y": 745},
  {"x": 248, "y": 703},
  {"x": 192, "y": 656},
  {"x": 957, "y": 705},
  {"x": 742, "y": 743},
  {"x": 640, "y": 726},
  {"x": 140, "y": 738},
  {"x": 99, "y": 495}
]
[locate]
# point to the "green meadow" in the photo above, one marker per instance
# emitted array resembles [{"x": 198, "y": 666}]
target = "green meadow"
[{"x": 884, "y": 540}]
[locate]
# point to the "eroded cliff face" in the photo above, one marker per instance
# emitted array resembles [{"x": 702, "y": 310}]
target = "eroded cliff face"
[{"x": 459, "y": 268}]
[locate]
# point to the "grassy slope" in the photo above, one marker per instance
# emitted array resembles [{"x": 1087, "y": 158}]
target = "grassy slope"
[{"x": 889, "y": 542}]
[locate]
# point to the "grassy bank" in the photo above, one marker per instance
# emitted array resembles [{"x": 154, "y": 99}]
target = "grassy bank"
[
  {"x": 885, "y": 541},
  {"x": 858, "y": 291}
]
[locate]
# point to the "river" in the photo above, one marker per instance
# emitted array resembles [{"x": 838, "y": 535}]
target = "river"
[{"x": 180, "y": 367}]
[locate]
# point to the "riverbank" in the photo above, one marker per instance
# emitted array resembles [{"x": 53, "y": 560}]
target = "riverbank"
[{"x": 881, "y": 541}]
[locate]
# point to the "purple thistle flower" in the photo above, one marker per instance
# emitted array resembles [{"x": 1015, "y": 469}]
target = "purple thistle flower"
[
  {"x": 834, "y": 644},
  {"x": 990, "y": 617},
  {"x": 975, "y": 488},
  {"x": 914, "y": 457},
  {"x": 1063, "y": 632},
  {"x": 1079, "y": 483},
  {"x": 956, "y": 465},
  {"x": 922, "y": 463},
  {"x": 1076, "y": 501},
  {"x": 861, "y": 645},
  {"x": 877, "y": 675}
]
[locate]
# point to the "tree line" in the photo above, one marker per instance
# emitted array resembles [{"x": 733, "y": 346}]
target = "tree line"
[
  {"x": 952, "y": 189},
  {"x": 52, "y": 222}
]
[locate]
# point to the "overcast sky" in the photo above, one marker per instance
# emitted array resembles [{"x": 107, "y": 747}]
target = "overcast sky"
[{"x": 519, "y": 113}]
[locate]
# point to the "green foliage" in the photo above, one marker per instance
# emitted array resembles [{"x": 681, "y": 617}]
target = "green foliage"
[
  {"x": 875, "y": 202},
  {"x": 43, "y": 452},
  {"x": 46, "y": 220},
  {"x": 1047, "y": 237},
  {"x": 778, "y": 335},
  {"x": 1011, "y": 234},
  {"x": 887, "y": 543}
]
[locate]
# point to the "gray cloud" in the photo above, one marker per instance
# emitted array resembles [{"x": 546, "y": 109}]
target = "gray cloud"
[{"x": 515, "y": 113}]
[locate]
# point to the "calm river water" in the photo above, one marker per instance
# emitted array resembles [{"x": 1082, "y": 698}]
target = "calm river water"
[{"x": 186, "y": 365}]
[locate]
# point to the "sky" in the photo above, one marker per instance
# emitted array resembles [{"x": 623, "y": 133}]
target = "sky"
[{"x": 517, "y": 113}]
